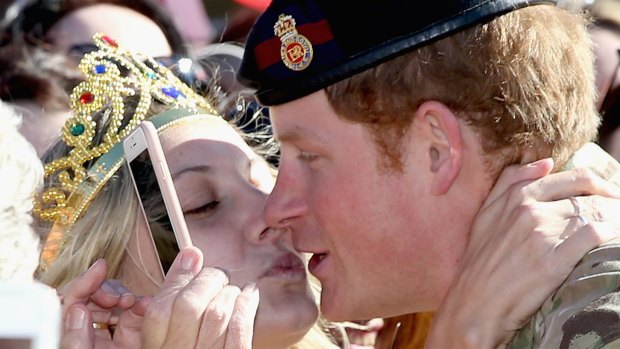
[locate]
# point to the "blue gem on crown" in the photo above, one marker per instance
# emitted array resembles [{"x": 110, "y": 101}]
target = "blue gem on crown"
[
  {"x": 100, "y": 69},
  {"x": 171, "y": 92}
]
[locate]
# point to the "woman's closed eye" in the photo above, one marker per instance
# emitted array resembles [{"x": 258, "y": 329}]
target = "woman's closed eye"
[{"x": 207, "y": 208}]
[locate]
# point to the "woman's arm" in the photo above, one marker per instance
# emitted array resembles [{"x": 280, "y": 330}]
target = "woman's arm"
[{"x": 525, "y": 241}]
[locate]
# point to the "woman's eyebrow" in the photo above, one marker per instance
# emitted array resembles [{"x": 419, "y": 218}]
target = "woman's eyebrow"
[{"x": 197, "y": 168}]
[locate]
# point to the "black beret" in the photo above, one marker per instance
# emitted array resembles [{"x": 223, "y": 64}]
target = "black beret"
[{"x": 297, "y": 47}]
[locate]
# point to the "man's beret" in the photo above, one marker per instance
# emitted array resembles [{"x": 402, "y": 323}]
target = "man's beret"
[{"x": 297, "y": 47}]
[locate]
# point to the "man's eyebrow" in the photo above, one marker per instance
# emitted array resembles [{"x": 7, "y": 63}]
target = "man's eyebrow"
[
  {"x": 297, "y": 134},
  {"x": 198, "y": 168}
]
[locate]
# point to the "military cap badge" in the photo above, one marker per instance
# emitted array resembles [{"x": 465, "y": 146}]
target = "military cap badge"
[{"x": 296, "y": 50}]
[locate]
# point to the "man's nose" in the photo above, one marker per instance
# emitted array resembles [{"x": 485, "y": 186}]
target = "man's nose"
[{"x": 285, "y": 203}]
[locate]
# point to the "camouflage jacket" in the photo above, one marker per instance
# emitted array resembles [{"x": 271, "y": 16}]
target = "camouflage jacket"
[{"x": 584, "y": 313}]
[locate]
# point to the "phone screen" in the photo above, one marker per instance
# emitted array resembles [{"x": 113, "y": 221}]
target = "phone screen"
[{"x": 153, "y": 204}]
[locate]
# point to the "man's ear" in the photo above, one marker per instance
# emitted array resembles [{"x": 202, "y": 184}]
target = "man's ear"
[{"x": 442, "y": 130}]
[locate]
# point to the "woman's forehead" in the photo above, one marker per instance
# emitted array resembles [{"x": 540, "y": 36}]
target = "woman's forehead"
[
  {"x": 204, "y": 127},
  {"x": 188, "y": 135}
]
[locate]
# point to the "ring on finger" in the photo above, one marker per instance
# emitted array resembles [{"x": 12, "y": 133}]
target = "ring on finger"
[
  {"x": 578, "y": 212},
  {"x": 101, "y": 326}
]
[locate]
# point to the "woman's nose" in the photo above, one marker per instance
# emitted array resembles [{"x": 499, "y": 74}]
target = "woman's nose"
[
  {"x": 270, "y": 235},
  {"x": 257, "y": 230}
]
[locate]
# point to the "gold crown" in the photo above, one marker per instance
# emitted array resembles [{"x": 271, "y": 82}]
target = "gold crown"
[
  {"x": 285, "y": 25},
  {"x": 112, "y": 74}
]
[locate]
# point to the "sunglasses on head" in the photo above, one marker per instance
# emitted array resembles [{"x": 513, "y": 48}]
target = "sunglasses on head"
[{"x": 78, "y": 51}]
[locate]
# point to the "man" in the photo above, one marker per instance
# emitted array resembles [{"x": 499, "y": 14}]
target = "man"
[{"x": 395, "y": 118}]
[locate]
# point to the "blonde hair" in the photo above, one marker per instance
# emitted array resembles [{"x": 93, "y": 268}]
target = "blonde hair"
[
  {"x": 405, "y": 332},
  {"x": 525, "y": 80},
  {"x": 103, "y": 231}
]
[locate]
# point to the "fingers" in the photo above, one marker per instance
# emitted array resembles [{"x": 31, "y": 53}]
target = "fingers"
[
  {"x": 365, "y": 335},
  {"x": 128, "y": 333},
  {"x": 576, "y": 182},
  {"x": 197, "y": 308},
  {"x": 186, "y": 266},
  {"x": 91, "y": 285},
  {"x": 531, "y": 228},
  {"x": 206, "y": 299},
  {"x": 77, "y": 329},
  {"x": 216, "y": 318},
  {"x": 516, "y": 174},
  {"x": 592, "y": 208},
  {"x": 241, "y": 327},
  {"x": 513, "y": 195},
  {"x": 521, "y": 183},
  {"x": 80, "y": 289},
  {"x": 113, "y": 293},
  {"x": 575, "y": 246}
]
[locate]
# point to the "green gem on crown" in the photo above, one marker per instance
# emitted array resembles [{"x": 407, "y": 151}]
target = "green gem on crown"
[{"x": 77, "y": 129}]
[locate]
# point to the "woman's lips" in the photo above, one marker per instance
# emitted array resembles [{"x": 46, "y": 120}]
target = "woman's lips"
[{"x": 287, "y": 267}]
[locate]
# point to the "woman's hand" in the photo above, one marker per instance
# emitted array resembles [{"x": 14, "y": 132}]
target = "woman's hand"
[
  {"x": 525, "y": 241},
  {"x": 195, "y": 308},
  {"x": 90, "y": 301},
  {"x": 198, "y": 308}
]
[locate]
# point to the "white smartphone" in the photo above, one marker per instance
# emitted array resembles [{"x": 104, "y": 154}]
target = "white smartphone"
[
  {"x": 154, "y": 186},
  {"x": 30, "y": 316}
]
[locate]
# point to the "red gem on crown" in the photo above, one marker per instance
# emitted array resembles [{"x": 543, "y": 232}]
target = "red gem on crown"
[
  {"x": 109, "y": 41},
  {"x": 87, "y": 98}
]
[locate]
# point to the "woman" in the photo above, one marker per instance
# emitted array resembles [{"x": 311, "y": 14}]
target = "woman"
[{"x": 221, "y": 184}]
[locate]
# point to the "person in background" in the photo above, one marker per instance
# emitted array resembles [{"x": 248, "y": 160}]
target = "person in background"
[
  {"x": 42, "y": 41},
  {"x": 21, "y": 177}
]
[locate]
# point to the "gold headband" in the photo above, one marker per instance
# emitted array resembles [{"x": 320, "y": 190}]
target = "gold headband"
[{"x": 111, "y": 74}]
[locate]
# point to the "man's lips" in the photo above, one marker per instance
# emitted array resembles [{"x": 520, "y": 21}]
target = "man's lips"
[{"x": 315, "y": 262}]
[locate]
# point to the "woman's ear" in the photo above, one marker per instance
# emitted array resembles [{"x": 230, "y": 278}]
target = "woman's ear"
[{"x": 444, "y": 142}]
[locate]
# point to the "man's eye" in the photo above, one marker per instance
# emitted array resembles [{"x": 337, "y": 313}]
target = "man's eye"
[
  {"x": 309, "y": 157},
  {"x": 207, "y": 208}
]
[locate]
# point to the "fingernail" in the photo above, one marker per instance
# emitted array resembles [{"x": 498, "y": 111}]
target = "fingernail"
[
  {"x": 538, "y": 162},
  {"x": 225, "y": 271},
  {"x": 250, "y": 287},
  {"x": 77, "y": 318},
  {"x": 109, "y": 290},
  {"x": 93, "y": 265},
  {"x": 532, "y": 164},
  {"x": 188, "y": 261}
]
